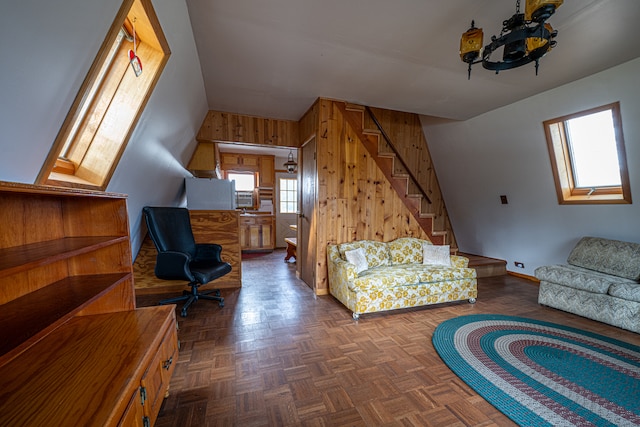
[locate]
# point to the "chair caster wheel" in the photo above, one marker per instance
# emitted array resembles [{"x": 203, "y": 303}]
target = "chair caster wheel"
[
  {"x": 217, "y": 293},
  {"x": 221, "y": 304},
  {"x": 183, "y": 313}
]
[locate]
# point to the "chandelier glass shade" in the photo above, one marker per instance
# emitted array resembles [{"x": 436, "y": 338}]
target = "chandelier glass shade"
[
  {"x": 290, "y": 164},
  {"x": 525, "y": 38}
]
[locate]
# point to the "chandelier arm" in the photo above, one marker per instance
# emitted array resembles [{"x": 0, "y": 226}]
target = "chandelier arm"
[{"x": 514, "y": 36}]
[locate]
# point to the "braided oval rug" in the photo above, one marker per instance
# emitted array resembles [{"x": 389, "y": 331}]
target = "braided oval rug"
[{"x": 539, "y": 373}]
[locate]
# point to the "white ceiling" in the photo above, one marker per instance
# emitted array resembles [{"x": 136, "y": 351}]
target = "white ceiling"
[{"x": 275, "y": 58}]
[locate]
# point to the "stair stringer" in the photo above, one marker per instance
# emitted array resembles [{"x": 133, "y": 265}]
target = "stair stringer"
[{"x": 354, "y": 115}]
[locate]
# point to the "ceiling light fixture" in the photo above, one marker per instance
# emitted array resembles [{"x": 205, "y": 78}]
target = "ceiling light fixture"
[
  {"x": 526, "y": 37},
  {"x": 290, "y": 164}
]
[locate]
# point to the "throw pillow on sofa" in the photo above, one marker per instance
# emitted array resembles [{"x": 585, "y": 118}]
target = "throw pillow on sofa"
[
  {"x": 358, "y": 258},
  {"x": 376, "y": 252},
  {"x": 436, "y": 255}
]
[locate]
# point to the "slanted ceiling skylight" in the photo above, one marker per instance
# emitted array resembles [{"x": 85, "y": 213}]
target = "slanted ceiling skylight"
[{"x": 110, "y": 101}]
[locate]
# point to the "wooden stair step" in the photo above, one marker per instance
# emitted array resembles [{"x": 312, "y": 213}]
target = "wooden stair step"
[{"x": 485, "y": 266}]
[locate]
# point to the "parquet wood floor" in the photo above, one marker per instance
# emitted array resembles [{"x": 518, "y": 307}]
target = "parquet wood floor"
[{"x": 277, "y": 356}]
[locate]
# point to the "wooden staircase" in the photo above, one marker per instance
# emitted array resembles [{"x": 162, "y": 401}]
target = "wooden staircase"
[
  {"x": 406, "y": 186},
  {"x": 399, "y": 178},
  {"x": 486, "y": 267}
]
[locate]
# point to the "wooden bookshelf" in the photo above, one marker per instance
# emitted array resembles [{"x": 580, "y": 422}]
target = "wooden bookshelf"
[{"x": 74, "y": 350}]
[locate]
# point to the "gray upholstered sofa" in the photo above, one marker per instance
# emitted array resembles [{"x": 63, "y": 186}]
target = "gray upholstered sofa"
[{"x": 601, "y": 281}]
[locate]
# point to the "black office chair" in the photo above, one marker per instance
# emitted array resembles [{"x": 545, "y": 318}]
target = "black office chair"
[{"x": 180, "y": 258}]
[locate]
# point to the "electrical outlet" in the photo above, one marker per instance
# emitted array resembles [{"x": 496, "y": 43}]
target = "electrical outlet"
[{"x": 518, "y": 264}]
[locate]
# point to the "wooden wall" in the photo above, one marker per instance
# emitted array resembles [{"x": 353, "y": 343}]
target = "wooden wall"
[
  {"x": 230, "y": 127},
  {"x": 405, "y": 130},
  {"x": 355, "y": 200}
]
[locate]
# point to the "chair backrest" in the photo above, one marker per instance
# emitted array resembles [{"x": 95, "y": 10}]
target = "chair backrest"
[{"x": 170, "y": 229}]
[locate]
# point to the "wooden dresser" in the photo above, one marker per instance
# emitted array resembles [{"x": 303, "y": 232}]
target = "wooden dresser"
[{"x": 74, "y": 350}]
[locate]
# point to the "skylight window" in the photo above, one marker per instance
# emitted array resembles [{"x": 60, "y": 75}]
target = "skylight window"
[
  {"x": 588, "y": 156},
  {"x": 592, "y": 142},
  {"x": 110, "y": 101}
]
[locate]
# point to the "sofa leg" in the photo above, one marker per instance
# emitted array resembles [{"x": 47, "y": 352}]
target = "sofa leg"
[
  {"x": 472, "y": 300},
  {"x": 356, "y": 316}
]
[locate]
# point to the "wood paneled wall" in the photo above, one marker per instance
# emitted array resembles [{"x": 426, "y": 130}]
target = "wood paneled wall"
[
  {"x": 230, "y": 127},
  {"x": 355, "y": 200},
  {"x": 405, "y": 130}
]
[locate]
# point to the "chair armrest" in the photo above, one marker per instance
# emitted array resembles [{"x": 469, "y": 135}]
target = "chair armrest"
[
  {"x": 172, "y": 265},
  {"x": 459, "y": 261},
  {"x": 208, "y": 251}
]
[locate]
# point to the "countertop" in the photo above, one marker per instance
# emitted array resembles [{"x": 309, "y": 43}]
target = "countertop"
[{"x": 257, "y": 213}]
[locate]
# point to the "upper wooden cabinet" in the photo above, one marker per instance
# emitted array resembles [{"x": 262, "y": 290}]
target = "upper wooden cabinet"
[
  {"x": 239, "y": 162},
  {"x": 267, "y": 177}
]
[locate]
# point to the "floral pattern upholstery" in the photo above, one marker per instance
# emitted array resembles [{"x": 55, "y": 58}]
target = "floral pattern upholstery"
[
  {"x": 400, "y": 283},
  {"x": 376, "y": 252},
  {"x": 599, "y": 281},
  {"x": 406, "y": 250}
]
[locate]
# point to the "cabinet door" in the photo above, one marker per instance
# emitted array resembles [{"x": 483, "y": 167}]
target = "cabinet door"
[
  {"x": 156, "y": 380},
  {"x": 244, "y": 237},
  {"x": 267, "y": 171},
  {"x": 250, "y": 161},
  {"x": 254, "y": 236},
  {"x": 267, "y": 240},
  {"x": 245, "y": 227},
  {"x": 229, "y": 161},
  {"x": 134, "y": 414}
]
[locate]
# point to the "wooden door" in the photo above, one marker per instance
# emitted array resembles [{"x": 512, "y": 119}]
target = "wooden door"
[{"x": 306, "y": 250}]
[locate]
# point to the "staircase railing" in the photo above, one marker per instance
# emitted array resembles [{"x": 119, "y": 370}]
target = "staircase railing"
[{"x": 398, "y": 155}]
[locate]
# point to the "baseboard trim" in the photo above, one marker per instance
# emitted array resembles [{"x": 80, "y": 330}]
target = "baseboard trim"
[{"x": 523, "y": 276}]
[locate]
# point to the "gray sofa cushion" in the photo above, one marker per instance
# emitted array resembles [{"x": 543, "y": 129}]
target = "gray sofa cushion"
[
  {"x": 607, "y": 256},
  {"x": 579, "y": 278},
  {"x": 628, "y": 291}
]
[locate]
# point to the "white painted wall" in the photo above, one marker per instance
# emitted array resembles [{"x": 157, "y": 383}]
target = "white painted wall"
[
  {"x": 47, "y": 49},
  {"x": 505, "y": 152}
]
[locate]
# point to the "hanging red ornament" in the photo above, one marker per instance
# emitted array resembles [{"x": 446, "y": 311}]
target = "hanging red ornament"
[
  {"x": 135, "y": 63},
  {"x": 133, "y": 57}
]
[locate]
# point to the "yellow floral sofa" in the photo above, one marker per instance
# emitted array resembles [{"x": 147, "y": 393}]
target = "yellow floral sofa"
[{"x": 369, "y": 276}]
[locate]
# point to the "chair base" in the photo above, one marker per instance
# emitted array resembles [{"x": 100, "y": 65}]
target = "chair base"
[{"x": 192, "y": 297}]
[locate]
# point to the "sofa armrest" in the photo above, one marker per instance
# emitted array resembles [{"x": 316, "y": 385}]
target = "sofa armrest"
[
  {"x": 341, "y": 272},
  {"x": 458, "y": 261},
  {"x": 346, "y": 270}
]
